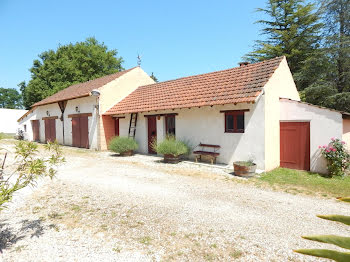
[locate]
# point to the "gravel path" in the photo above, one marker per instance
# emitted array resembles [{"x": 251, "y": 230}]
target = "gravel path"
[{"x": 106, "y": 208}]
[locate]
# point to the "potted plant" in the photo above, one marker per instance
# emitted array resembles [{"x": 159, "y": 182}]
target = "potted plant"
[
  {"x": 171, "y": 149},
  {"x": 244, "y": 168},
  {"x": 123, "y": 145}
]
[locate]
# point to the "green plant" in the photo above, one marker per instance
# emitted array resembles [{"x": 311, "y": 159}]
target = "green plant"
[
  {"x": 171, "y": 146},
  {"x": 245, "y": 163},
  {"x": 122, "y": 144},
  {"x": 343, "y": 242},
  {"x": 29, "y": 166},
  {"x": 338, "y": 158}
]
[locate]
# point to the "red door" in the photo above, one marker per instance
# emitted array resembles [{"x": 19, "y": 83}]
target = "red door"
[
  {"x": 80, "y": 134},
  {"x": 295, "y": 145},
  {"x": 116, "y": 127},
  {"x": 35, "y": 128},
  {"x": 50, "y": 130},
  {"x": 152, "y": 133}
]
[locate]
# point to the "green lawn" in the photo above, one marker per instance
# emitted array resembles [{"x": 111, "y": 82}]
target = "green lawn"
[
  {"x": 296, "y": 181},
  {"x": 6, "y": 136}
]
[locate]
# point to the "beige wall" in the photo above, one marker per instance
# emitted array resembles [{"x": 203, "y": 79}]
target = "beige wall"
[
  {"x": 346, "y": 132},
  {"x": 115, "y": 91},
  {"x": 281, "y": 84}
]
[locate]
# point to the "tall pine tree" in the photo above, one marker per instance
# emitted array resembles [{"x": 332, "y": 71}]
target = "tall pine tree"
[{"x": 292, "y": 30}]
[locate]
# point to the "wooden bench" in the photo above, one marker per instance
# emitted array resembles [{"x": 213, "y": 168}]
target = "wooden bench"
[{"x": 204, "y": 151}]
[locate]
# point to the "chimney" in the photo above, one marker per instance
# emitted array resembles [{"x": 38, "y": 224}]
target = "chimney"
[{"x": 243, "y": 63}]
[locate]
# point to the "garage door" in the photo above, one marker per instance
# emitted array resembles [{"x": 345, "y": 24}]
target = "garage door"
[
  {"x": 50, "y": 130},
  {"x": 295, "y": 145},
  {"x": 80, "y": 131}
]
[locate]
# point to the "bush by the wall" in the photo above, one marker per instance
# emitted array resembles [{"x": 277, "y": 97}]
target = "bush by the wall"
[
  {"x": 122, "y": 144},
  {"x": 171, "y": 146},
  {"x": 338, "y": 158}
]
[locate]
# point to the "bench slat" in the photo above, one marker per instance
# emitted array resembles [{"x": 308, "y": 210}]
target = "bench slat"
[
  {"x": 207, "y": 145},
  {"x": 205, "y": 153}
]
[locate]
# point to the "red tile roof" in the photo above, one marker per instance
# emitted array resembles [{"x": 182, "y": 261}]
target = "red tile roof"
[
  {"x": 235, "y": 85},
  {"x": 81, "y": 89}
]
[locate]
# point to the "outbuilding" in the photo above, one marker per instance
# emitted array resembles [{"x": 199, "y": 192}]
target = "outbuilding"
[{"x": 73, "y": 116}]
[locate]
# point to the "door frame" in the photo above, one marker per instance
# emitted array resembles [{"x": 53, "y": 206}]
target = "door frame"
[
  {"x": 304, "y": 140},
  {"x": 151, "y": 138}
]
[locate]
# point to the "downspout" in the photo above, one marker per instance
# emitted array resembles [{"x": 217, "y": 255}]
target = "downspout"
[
  {"x": 62, "y": 105},
  {"x": 96, "y": 94}
]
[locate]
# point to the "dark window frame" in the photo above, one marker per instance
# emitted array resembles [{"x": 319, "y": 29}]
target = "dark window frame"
[
  {"x": 234, "y": 114},
  {"x": 166, "y": 125}
]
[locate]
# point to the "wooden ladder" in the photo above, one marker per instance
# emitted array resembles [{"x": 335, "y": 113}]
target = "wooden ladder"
[{"x": 132, "y": 125}]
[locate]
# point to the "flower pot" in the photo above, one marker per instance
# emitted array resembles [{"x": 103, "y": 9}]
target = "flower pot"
[
  {"x": 127, "y": 153},
  {"x": 171, "y": 159},
  {"x": 243, "y": 169}
]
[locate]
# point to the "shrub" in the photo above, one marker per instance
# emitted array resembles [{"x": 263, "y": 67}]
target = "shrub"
[
  {"x": 122, "y": 144},
  {"x": 338, "y": 158},
  {"x": 171, "y": 146}
]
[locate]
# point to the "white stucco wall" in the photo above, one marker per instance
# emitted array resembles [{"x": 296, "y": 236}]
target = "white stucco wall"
[
  {"x": 38, "y": 114},
  {"x": 207, "y": 125},
  {"x": 8, "y": 120},
  {"x": 281, "y": 84},
  {"x": 85, "y": 105},
  {"x": 324, "y": 124}
]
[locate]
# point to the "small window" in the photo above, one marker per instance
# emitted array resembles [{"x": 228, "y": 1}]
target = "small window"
[
  {"x": 234, "y": 122},
  {"x": 25, "y": 128},
  {"x": 170, "y": 125}
]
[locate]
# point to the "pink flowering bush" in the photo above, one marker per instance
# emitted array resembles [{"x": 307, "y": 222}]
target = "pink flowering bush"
[{"x": 338, "y": 158}]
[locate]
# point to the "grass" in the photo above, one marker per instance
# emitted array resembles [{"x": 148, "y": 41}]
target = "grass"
[
  {"x": 296, "y": 181},
  {"x": 6, "y": 136},
  {"x": 145, "y": 240}
]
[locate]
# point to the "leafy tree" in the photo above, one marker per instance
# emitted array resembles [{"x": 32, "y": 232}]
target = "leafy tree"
[
  {"x": 154, "y": 77},
  {"x": 292, "y": 30},
  {"x": 316, "y": 93},
  {"x": 337, "y": 41},
  {"x": 69, "y": 64},
  {"x": 29, "y": 166},
  {"x": 10, "y": 98}
]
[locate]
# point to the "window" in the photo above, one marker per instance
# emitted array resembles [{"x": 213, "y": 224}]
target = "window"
[
  {"x": 25, "y": 128},
  {"x": 170, "y": 125},
  {"x": 234, "y": 122}
]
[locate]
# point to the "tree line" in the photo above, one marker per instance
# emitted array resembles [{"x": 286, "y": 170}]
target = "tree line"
[{"x": 314, "y": 36}]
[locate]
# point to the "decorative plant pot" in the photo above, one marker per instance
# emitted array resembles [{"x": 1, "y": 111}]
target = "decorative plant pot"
[
  {"x": 243, "y": 169},
  {"x": 171, "y": 159},
  {"x": 127, "y": 153}
]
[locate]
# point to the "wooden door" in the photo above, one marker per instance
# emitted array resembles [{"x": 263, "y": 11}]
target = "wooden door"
[
  {"x": 80, "y": 133},
  {"x": 84, "y": 132},
  {"x": 76, "y": 131},
  {"x": 295, "y": 145},
  {"x": 35, "y": 129},
  {"x": 116, "y": 127},
  {"x": 50, "y": 130},
  {"x": 152, "y": 133}
]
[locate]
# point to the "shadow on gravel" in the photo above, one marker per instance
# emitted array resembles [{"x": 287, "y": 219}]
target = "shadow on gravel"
[{"x": 10, "y": 236}]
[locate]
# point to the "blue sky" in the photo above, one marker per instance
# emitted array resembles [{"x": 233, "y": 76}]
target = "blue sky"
[{"x": 175, "y": 38}]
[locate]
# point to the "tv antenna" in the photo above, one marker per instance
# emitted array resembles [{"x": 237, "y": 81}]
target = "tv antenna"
[{"x": 138, "y": 60}]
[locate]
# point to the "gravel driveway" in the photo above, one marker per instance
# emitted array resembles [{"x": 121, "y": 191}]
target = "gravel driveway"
[{"x": 105, "y": 208}]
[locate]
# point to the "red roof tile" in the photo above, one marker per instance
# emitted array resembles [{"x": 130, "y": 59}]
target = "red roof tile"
[
  {"x": 235, "y": 85},
  {"x": 81, "y": 89}
]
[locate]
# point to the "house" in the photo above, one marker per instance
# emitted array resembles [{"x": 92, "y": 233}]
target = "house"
[
  {"x": 252, "y": 112},
  {"x": 8, "y": 117},
  {"x": 73, "y": 115}
]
